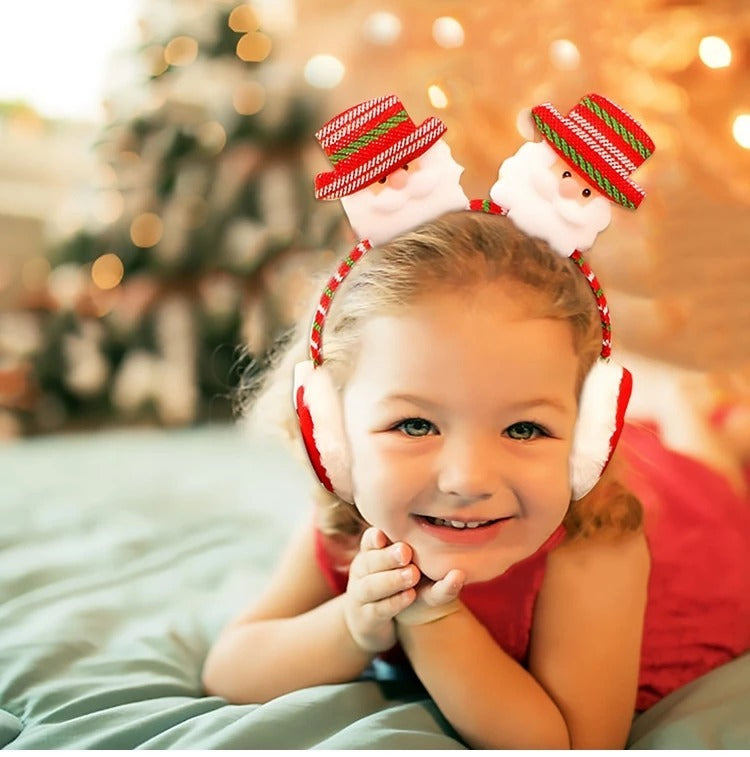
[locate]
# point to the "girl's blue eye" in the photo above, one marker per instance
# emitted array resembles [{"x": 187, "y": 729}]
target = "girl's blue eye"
[
  {"x": 525, "y": 431},
  {"x": 416, "y": 427}
]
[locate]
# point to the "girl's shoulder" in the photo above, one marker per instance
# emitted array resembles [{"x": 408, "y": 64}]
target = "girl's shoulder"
[{"x": 600, "y": 558}]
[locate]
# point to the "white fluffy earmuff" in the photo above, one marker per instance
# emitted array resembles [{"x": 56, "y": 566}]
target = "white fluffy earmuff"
[
  {"x": 321, "y": 423},
  {"x": 601, "y": 414}
]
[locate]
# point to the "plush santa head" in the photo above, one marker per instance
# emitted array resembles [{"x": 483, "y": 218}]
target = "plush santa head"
[
  {"x": 560, "y": 189},
  {"x": 546, "y": 199},
  {"x": 411, "y": 194},
  {"x": 390, "y": 174}
]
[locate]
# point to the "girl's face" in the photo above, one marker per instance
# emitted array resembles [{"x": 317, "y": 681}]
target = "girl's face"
[{"x": 459, "y": 414}]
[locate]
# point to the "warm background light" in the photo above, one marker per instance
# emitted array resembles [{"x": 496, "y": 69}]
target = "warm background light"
[
  {"x": 212, "y": 136},
  {"x": 254, "y": 47},
  {"x": 243, "y": 19},
  {"x": 741, "y": 130},
  {"x": 107, "y": 271},
  {"x": 324, "y": 71},
  {"x": 181, "y": 51},
  {"x": 448, "y": 32},
  {"x": 715, "y": 52},
  {"x": 438, "y": 98},
  {"x": 564, "y": 54},
  {"x": 146, "y": 230},
  {"x": 382, "y": 28}
]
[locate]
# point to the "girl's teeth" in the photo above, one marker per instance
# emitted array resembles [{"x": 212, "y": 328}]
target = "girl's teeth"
[{"x": 459, "y": 523}]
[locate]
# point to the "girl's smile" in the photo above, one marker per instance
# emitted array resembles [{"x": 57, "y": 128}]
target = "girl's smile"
[
  {"x": 459, "y": 416},
  {"x": 454, "y": 531}
]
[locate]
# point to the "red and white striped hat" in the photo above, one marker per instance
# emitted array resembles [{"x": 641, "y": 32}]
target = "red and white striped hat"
[
  {"x": 367, "y": 142},
  {"x": 601, "y": 142}
]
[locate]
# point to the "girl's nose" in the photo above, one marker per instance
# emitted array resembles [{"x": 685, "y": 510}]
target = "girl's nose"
[
  {"x": 569, "y": 188},
  {"x": 398, "y": 179},
  {"x": 470, "y": 473}
]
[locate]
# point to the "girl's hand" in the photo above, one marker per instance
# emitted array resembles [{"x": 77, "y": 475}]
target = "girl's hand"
[
  {"x": 381, "y": 585},
  {"x": 435, "y": 599}
]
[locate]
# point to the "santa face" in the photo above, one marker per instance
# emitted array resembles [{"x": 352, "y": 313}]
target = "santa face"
[
  {"x": 546, "y": 199},
  {"x": 416, "y": 192}
]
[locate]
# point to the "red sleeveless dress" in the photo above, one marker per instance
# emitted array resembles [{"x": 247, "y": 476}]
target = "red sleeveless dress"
[{"x": 698, "y": 610}]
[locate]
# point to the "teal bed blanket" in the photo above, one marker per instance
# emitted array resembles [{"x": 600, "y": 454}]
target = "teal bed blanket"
[{"x": 122, "y": 553}]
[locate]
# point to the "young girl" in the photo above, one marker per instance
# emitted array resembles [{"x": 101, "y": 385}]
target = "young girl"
[{"x": 459, "y": 351}]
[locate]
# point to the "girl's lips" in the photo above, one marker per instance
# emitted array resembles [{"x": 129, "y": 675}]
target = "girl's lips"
[{"x": 476, "y": 534}]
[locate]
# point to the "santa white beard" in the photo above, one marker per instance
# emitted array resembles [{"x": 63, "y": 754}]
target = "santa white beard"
[
  {"x": 432, "y": 189},
  {"x": 527, "y": 188}
]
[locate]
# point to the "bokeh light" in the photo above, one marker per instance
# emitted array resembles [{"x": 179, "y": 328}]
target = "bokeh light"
[
  {"x": 146, "y": 230},
  {"x": 564, "y": 54},
  {"x": 243, "y": 19},
  {"x": 324, "y": 71},
  {"x": 254, "y": 47},
  {"x": 107, "y": 271},
  {"x": 382, "y": 28},
  {"x": 741, "y": 130},
  {"x": 715, "y": 52},
  {"x": 181, "y": 51},
  {"x": 437, "y": 96},
  {"x": 448, "y": 32},
  {"x": 212, "y": 136}
]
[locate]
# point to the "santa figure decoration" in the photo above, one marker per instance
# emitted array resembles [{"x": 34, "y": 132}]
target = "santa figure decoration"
[
  {"x": 561, "y": 189},
  {"x": 390, "y": 174}
]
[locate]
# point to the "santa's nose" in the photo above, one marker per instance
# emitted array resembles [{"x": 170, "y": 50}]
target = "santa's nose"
[
  {"x": 398, "y": 179},
  {"x": 569, "y": 188}
]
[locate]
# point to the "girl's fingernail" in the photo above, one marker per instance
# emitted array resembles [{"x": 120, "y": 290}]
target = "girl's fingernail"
[{"x": 407, "y": 574}]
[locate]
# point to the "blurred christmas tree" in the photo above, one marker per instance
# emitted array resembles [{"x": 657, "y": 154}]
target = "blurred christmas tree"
[{"x": 204, "y": 231}]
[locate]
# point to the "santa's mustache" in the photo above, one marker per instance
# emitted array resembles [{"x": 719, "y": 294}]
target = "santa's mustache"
[
  {"x": 420, "y": 184},
  {"x": 572, "y": 211}
]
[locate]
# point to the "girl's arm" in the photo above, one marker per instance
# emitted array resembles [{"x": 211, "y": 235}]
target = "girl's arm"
[
  {"x": 292, "y": 637},
  {"x": 581, "y": 684},
  {"x": 298, "y": 634}
]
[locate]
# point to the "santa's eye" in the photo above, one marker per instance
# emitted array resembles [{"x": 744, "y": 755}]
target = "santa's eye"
[
  {"x": 567, "y": 174},
  {"x": 586, "y": 192}
]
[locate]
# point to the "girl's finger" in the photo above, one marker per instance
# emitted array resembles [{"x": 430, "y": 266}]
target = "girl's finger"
[
  {"x": 446, "y": 589},
  {"x": 373, "y": 538},
  {"x": 378, "y": 586},
  {"x": 388, "y": 608},
  {"x": 377, "y": 560}
]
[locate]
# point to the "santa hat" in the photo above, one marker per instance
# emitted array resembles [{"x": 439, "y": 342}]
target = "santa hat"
[
  {"x": 601, "y": 142},
  {"x": 368, "y": 141}
]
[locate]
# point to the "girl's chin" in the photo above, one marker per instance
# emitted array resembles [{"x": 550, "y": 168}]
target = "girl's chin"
[{"x": 436, "y": 567}]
